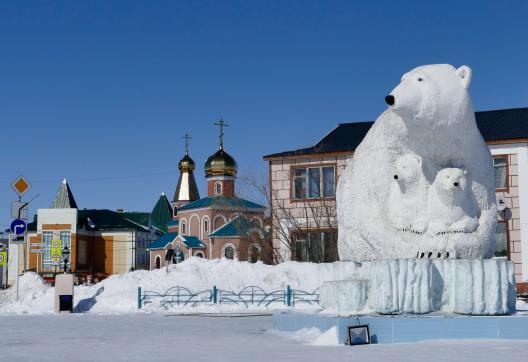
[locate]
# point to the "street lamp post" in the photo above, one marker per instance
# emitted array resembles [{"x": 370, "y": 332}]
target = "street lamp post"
[{"x": 66, "y": 255}]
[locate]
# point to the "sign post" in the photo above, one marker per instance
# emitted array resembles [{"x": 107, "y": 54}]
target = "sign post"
[
  {"x": 56, "y": 253},
  {"x": 19, "y": 211}
]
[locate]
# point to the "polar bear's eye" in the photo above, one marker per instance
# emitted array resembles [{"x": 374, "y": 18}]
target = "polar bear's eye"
[{"x": 420, "y": 79}]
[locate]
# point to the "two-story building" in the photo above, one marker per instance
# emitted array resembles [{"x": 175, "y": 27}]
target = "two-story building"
[{"x": 303, "y": 186}]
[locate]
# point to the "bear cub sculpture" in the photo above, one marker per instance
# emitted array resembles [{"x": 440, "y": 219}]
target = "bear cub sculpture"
[
  {"x": 451, "y": 206},
  {"x": 408, "y": 195}
]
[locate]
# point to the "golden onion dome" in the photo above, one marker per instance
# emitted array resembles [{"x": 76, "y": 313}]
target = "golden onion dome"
[
  {"x": 186, "y": 164},
  {"x": 220, "y": 164}
]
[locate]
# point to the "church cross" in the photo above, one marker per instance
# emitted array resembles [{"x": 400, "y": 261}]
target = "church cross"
[
  {"x": 187, "y": 138},
  {"x": 221, "y": 124}
]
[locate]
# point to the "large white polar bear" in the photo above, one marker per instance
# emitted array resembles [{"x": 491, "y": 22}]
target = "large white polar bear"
[{"x": 430, "y": 114}]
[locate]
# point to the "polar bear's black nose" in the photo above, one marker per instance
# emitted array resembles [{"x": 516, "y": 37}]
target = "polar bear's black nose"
[
  {"x": 455, "y": 184},
  {"x": 395, "y": 177},
  {"x": 389, "y": 100}
]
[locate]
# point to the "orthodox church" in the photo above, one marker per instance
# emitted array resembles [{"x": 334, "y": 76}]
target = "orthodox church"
[{"x": 220, "y": 225}]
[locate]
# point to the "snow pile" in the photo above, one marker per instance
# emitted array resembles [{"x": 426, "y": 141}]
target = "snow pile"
[
  {"x": 312, "y": 336},
  {"x": 34, "y": 296},
  {"x": 118, "y": 293}
]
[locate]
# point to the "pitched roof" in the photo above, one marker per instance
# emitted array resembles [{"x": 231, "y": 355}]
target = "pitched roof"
[
  {"x": 173, "y": 223},
  {"x": 192, "y": 242},
  {"x": 161, "y": 213},
  {"x": 221, "y": 201},
  {"x": 162, "y": 241},
  {"x": 497, "y": 125},
  {"x": 106, "y": 220},
  {"x": 64, "y": 198},
  {"x": 139, "y": 217},
  {"x": 238, "y": 227}
]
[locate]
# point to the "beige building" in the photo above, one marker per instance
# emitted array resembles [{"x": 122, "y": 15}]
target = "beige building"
[
  {"x": 303, "y": 183},
  {"x": 100, "y": 242}
]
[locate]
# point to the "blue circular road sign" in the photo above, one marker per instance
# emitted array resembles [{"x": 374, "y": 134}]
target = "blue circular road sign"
[{"x": 18, "y": 227}]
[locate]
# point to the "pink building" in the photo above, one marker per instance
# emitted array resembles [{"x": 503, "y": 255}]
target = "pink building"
[{"x": 220, "y": 225}]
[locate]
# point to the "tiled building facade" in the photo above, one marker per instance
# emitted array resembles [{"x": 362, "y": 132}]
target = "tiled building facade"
[{"x": 303, "y": 201}]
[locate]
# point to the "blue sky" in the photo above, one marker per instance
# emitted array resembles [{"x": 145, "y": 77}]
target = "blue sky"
[{"x": 101, "y": 92}]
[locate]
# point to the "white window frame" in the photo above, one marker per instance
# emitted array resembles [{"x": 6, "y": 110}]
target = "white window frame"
[{"x": 306, "y": 178}]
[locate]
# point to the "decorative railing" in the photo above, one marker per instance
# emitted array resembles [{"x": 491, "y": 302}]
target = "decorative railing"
[{"x": 248, "y": 296}]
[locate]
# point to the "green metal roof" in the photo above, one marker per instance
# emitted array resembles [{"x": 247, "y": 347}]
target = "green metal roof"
[
  {"x": 240, "y": 226},
  {"x": 173, "y": 223},
  {"x": 220, "y": 201},
  {"x": 161, "y": 213},
  {"x": 162, "y": 241},
  {"x": 192, "y": 242},
  {"x": 106, "y": 220},
  {"x": 139, "y": 217}
]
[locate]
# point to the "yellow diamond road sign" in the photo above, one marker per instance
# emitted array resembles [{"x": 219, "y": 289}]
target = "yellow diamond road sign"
[
  {"x": 21, "y": 185},
  {"x": 3, "y": 258}
]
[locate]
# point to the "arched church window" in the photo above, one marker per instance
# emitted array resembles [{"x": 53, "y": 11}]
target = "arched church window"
[
  {"x": 199, "y": 254},
  {"x": 229, "y": 252},
  {"x": 218, "y": 188},
  {"x": 206, "y": 226},
  {"x": 253, "y": 254},
  {"x": 183, "y": 228}
]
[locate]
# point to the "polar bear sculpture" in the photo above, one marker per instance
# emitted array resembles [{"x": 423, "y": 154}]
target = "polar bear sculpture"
[
  {"x": 431, "y": 115},
  {"x": 450, "y": 203},
  {"x": 408, "y": 195}
]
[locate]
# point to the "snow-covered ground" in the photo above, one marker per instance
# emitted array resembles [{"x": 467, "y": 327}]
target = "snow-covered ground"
[
  {"x": 118, "y": 294},
  {"x": 154, "y": 337}
]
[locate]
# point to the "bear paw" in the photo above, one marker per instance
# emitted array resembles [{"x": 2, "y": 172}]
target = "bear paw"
[
  {"x": 401, "y": 225},
  {"x": 438, "y": 228},
  {"x": 434, "y": 254},
  {"x": 419, "y": 226},
  {"x": 466, "y": 225}
]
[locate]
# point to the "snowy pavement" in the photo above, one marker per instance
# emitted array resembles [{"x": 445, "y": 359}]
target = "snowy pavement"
[{"x": 154, "y": 337}]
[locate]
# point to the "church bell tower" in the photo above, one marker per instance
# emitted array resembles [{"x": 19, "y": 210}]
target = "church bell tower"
[
  {"x": 186, "y": 190},
  {"x": 221, "y": 169}
]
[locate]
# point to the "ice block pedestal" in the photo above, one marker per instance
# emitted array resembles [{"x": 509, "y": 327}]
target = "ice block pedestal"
[{"x": 417, "y": 286}]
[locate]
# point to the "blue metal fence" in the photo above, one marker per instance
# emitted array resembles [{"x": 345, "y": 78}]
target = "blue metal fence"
[{"x": 251, "y": 295}]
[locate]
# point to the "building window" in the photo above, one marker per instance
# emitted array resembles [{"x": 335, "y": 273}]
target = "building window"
[
  {"x": 316, "y": 246},
  {"x": 82, "y": 252},
  {"x": 229, "y": 252},
  {"x": 254, "y": 254},
  {"x": 47, "y": 236},
  {"x": 500, "y": 164},
  {"x": 206, "y": 226},
  {"x": 314, "y": 183},
  {"x": 218, "y": 222},
  {"x": 183, "y": 228},
  {"x": 158, "y": 262},
  {"x": 218, "y": 188},
  {"x": 501, "y": 237},
  {"x": 199, "y": 254}
]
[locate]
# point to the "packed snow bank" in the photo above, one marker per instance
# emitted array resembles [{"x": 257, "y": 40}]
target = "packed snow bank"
[
  {"x": 118, "y": 293},
  {"x": 313, "y": 336}
]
